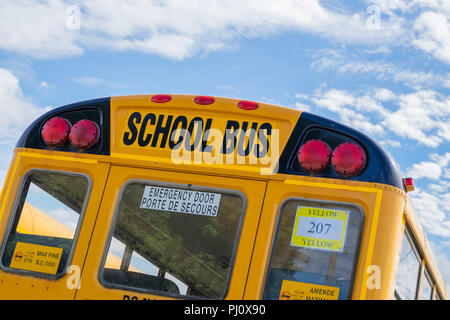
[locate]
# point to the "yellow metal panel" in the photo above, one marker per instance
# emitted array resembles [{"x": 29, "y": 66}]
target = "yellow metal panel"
[
  {"x": 135, "y": 135},
  {"x": 22, "y": 286},
  {"x": 380, "y": 237},
  {"x": 253, "y": 191}
]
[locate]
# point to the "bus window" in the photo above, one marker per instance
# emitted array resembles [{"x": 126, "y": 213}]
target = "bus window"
[
  {"x": 185, "y": 250},
  {"x": 427, "y": 286},
  {"x": 314, "y": 253},
  {"x": 408, "y": 270},
  {"x": 45, "y": 222},
  {"x": 436, "y": 295}
]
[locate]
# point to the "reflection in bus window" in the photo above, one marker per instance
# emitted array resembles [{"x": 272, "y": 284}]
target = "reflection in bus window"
[
  {"x": 47, "y": 214},
  {"x": 408, "y": 270},
  {"x": 426, "y": 287},
  {"x": 176, "y": 252},
  {"x": 309, "y": 265}
]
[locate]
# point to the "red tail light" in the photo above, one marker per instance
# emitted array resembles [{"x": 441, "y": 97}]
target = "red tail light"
[
  {"x": 348, "y": 159},
  {"x": 409, "y": 184},
  {"x": 55, "y": 131},
  {"x": 84, "y": 134},
  {"x": 248, "y": 105},
  {"x": 314, "y": 155},
  {"x": 161, "y": 98},
  {"x": 204, "y": 100}
]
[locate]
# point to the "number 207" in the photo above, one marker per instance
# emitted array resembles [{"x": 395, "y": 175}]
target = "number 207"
[{"x": 320, "y": 228}]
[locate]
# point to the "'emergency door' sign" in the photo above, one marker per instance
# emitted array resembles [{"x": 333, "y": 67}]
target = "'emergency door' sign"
[
  {"x": 320, "y": 228},
  {"x": 180, "y": 200}
]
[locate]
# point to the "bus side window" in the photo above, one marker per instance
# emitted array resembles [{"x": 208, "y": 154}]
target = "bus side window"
[
  {"x": 408, "y": 270},
  {"x": 45, "y": 222},
  {"x": 309, "y": 264},
  {"x": 426, "y": 287}
]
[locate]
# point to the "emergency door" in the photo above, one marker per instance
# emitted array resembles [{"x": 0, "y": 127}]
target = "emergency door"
[{"x": 172, "y": 235}]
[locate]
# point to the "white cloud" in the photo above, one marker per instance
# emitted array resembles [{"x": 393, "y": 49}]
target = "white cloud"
[
  {"x": 44, "y": 84},
  {"x": 433, "y": 213},
  {"x": 16, "y": 112},
  {"x": 431, "y": 200},
  {"x": 302, "y": 106},
  {"x": 425, "y": 169},
  {"x": 423, "y": 115},
  {"x": 391, "y": 143},
  {"x": 172, "y": 28},
  {"x": 37, "y": 29},
  {"x": 325, "y": 60},
  {"x": 428, "y": 21},
  {"x": 433, "y": 35}
]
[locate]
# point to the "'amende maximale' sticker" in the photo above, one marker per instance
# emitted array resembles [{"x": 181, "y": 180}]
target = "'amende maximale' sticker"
[
  {"x": 181, "y": 200},
  {"x": 320, "y": 228}
]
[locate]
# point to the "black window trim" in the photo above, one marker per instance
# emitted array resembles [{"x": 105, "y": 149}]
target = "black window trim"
[
  {"x": 416, "y": 250},
  {"x": 107, "y": 245},
  {"x": 13, "y": 213},
  {"x": 318, "y": 201},
  {"x": 426, "y": 276}
]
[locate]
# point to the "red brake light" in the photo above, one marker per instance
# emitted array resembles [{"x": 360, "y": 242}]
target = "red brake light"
[
  {"x": 348, "y": 159},
  {"x": 314, "y": 155},
  {"x": 204, "y": 100},
  {"x": 161, "y": 98},
  {"x": 248, "y": 105},
  {"x": 84, "y": 134},
  {"x": 55, "y": 131}
]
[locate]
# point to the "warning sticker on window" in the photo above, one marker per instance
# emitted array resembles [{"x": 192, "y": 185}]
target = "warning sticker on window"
[
  {"x": 34, "y": 257},
  {"x": 320, "y": 228},
  {"x": 181, "y": 200},
  {"x": 292, "y": 290}
]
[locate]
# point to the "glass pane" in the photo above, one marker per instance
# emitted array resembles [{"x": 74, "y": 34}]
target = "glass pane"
[
  {"x": 315, "y": 250},
  {"x": 45, "y": 222},
  {"x": 427, "y": 286},
  {"x": 408, "y": 271},
  {"x": 182, "y": 239}
]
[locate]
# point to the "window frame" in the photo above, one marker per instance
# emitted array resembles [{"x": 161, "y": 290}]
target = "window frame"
[
  {"x": 310, "y": 201},
  {"x": 14, "y": 214},
  {"x": 426, "y": 276},
  {"x": 112, "y": 229},
  {"x": 416, "y": 250}
]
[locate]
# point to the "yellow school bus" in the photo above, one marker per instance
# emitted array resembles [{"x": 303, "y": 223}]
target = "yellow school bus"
[{"x": 198, "y": 197}]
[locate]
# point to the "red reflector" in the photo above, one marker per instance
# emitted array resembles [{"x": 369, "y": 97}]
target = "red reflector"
[
  {"x": 55, "y": 131},
  {"x": 409, "y": 184},
  {"x": 314, "y": 155},
  {"x": 161, "y": 98},
  {"x": 248, "y": 105},
  {"x": 348, "y": 159},
  {"x": 84, "y": 134},
  {"x": 204, "y": 100}
]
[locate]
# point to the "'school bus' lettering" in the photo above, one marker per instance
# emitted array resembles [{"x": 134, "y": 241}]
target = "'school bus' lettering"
[{"x": 166, "y": 128}]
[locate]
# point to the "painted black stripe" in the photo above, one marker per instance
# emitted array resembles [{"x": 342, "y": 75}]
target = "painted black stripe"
[
  {"x": 97, "y": 110},
  {"x": 380, "y": 167}
]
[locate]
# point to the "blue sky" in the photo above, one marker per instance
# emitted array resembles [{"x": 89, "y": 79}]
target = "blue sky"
[{"x": 381, "y": 66}]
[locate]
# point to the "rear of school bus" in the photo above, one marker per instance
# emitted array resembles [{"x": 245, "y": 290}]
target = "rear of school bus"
[{"x": 173, "y": 197}]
